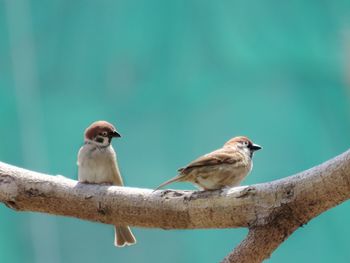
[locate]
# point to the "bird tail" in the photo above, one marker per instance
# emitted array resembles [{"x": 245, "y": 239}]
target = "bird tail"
[
  {"x": 172, "y": 180},
  {"x": 123, "y": 236}
]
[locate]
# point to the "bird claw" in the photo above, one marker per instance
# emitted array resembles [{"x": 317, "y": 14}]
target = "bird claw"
[{"x": 246, "y": 191}]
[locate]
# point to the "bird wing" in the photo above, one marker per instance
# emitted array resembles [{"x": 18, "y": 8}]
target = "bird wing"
[
  {"x": 217, "y": 157},
  {"x": 117, "y": 177}
]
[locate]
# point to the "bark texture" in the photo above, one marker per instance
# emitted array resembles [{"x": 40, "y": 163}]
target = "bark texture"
[{"x": 272, "y": 211}]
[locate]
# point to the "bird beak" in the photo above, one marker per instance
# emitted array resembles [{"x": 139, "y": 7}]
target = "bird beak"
[
  {"x": 116, "y": 134},
  {"x": 255, "y": 147}
]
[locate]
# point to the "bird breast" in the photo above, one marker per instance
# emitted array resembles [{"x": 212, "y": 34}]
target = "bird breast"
[{"x": 97, "y": 165}]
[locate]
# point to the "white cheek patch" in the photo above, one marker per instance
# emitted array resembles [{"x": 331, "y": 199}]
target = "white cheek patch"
[
  {"x": 246, "y": 150},
  {"x": 105, "y": 141}
]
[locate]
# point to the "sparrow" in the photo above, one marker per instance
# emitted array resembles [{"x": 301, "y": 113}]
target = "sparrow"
[
  {"x": 97, "y": 164},
  {"x": 225, "y": 167}
]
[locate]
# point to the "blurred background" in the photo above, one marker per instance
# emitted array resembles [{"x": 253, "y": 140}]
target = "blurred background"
[{"x": 178, "y": 79}]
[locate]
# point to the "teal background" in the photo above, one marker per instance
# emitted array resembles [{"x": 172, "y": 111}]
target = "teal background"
[{"x": 178, "y": 79}]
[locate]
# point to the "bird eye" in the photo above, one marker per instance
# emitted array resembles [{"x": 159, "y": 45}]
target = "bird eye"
[
  {"x": 104, "y": 134},
  {"x": 245, "y": 143}
]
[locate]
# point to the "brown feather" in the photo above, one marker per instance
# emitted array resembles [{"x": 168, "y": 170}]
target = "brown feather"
[
  {"x": 97, "y": 127},
  {"x": 217, "y": 157},
  {"x": 123, "y": 236},
  {"x": 178, "y": 178}
]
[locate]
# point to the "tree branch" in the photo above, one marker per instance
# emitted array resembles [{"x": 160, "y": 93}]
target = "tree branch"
[{"x": 272, "y": 211}]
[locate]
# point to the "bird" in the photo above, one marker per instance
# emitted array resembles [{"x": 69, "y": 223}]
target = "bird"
[
  {"x": 224, "y": 167},
  {"x": 97, "y": 164}
]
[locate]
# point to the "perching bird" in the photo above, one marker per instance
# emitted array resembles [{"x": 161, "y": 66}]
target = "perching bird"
[
  {"x": 97, "y": 164},
  {"x": 225, "y": 167}
]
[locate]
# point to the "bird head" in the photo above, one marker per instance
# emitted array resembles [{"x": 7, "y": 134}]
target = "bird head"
[
  {"x": 101, "y": 133},
  {"x": 244, "y": 144}
]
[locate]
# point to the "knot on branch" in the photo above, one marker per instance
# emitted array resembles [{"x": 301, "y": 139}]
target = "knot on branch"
[
  {"x": 103, "y": 209},
  {"x": 167, "y": 194},
  {"x": 8, "y": 190},
  {"x": 32, "y": 192}
]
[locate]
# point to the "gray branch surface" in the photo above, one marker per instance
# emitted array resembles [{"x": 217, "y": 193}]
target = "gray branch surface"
[{"x": 272, "y": 211}]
